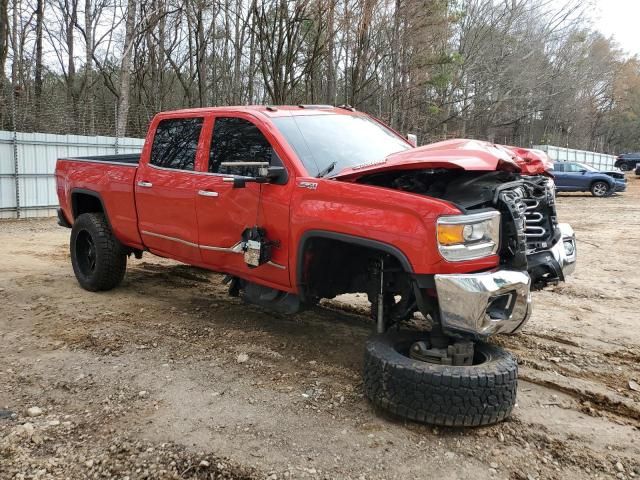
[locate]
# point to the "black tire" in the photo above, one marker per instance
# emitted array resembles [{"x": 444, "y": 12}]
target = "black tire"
[
  {"x": 476, "y": 395},
  {"x": 98, "y": 259},
  {"x": 600, "y": 189},
  {"x": 626, "y": 167}
]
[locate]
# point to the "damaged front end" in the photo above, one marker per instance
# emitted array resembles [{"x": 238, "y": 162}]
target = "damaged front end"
[
  {"x": 532, "y": 238},
  {"x": 534, "y": 249}
]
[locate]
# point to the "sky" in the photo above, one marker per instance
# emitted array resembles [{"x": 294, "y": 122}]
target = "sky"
[{"x": 620, "y": 19}]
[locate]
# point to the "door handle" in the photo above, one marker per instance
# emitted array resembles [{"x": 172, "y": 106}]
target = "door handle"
[
  {"x": 145, "y": 184},
  {"x": 207, "y": 193}
]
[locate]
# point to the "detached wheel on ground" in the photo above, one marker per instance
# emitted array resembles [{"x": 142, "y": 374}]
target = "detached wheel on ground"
[
  {"x": 458, "y": 396},
  {"x": 98, "y": 259},
  {"x": 600, "y": 189}
]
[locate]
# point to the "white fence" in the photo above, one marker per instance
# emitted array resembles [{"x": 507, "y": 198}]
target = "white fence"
[
  {"x": 600, "y": 161},
  {"x": 28, "y": 161}
]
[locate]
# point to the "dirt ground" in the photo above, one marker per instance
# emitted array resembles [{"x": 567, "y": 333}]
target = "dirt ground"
[{"x": 168, "y": 377}]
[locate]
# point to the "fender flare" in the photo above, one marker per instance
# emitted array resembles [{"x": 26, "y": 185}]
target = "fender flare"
[
  {"x": 92, "y": 193},
  {"x": 346, "y": 238}
]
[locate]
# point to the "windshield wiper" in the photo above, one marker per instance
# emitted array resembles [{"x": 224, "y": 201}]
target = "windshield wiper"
[
  {"x": 329, "y": 168},
  {"x": 356, "y": 167}
]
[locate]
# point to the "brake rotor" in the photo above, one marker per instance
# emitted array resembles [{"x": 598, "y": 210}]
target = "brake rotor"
[{"x": 456, "y": 354}]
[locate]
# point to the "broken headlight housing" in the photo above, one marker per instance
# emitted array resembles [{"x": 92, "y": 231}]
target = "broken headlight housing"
[{"x": 468, "y": 237}]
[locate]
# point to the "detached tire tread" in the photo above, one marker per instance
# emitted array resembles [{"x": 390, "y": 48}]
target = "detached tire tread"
[
  {"x": 439, "y": 394},
  {"x": 111, "y": 260}
]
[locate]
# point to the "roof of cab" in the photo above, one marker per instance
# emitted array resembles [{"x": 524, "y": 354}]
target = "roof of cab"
[{"x": 271, "y": 110}]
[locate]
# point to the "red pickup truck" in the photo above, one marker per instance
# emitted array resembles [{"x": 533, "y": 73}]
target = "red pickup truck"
[{"x": 296, "y": 204}]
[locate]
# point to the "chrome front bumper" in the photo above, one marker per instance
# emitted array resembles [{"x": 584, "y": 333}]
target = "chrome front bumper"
[
  {"x": 497, "y": 301},
  {"x": 483, "y": 304}
]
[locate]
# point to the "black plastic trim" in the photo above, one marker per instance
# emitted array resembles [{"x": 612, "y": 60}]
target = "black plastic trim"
[
  {"x": 131, "y": 158},
  {"x": 424, "y": 280},
  {"x": 74, "y": 206},
  {"x": 544, "y": 269},
  {"x": 62, "y": 221}
]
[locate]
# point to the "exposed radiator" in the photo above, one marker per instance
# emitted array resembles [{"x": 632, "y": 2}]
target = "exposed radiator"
[{"x": 534, "y": 220}]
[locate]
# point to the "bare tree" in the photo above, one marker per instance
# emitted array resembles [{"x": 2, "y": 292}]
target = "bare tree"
[
  {"x": 520, "y": 72},
  {"x": 4, "y": 52},
  {"x": 282, "y": 27},
  {"x": 125, "y": 70},
  {"x": 37, "y": 80}
]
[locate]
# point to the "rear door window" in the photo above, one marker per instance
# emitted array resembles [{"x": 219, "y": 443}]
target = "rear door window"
[
  {"x": 238, "y": 140},
  {"x": 572, "y": 167},
  {"x": 175, "y": 143}
]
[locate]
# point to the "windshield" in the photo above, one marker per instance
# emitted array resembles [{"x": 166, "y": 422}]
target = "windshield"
[{"x": 330, "y": 143}]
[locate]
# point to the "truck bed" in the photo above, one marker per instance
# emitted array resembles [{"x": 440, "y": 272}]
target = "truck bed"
[{"x": 110, "y": 176}]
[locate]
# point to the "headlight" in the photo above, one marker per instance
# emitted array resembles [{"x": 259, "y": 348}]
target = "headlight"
[{"x": 467, "y": 237}]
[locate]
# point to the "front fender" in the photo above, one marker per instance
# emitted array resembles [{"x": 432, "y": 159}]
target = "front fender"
[
  {"x": 405, "y": 222},
  {"x": 601, "y": 177}
]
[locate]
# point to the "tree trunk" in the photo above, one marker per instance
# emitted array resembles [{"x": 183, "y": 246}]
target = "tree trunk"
[
  {"x": 252, "y": 55},
  {"x": 4, "y": 51},
  {"x": 15, "y": 88},
  {"x": 201, "y": 52},
  {"x": 72, "y": 12},
  {"x": 331, "y": 53},
  {"x": 395, "y": 67},
  {"x": 125, "y": 71},
  {"x": 88, "y": 72},
  {"x": 237, "y": 56},
  {"x": 37, "y": 81}
]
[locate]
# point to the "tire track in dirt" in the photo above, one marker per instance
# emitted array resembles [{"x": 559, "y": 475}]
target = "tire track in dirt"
[{"x": 592, "y": 389}]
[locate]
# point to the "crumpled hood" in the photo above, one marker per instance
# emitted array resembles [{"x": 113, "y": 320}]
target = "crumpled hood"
[
  {"x": 531, "y": 161},
  {"x": 461, "y": 154}
]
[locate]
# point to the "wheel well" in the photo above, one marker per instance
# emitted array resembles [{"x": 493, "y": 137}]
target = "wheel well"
[
  {"x": 599, "y": 180},
  {"x": 86, "y": 202},
  {"x": 331, "y": 264}
]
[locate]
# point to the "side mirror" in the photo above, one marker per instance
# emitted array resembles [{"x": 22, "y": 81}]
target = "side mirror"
[
  {"x": 583, "y": 171},
  {"x": 275, "y": 174},
  {"x": 265, "y": 174},
  {"x": 412, "y": 138}
]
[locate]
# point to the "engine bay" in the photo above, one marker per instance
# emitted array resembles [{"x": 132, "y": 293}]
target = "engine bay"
[{"x": 526, "y": 203}]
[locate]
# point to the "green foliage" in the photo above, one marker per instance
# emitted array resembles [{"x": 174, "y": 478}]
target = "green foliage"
[{"x": 441, "y": 80}]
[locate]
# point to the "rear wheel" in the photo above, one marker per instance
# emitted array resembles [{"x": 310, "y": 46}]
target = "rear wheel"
[
  {"x": 479, "y": 394},
  {"x": 625, "y": 167},
  {"x": 599, "y": 189},
  {"x": 97, "y": 257}
]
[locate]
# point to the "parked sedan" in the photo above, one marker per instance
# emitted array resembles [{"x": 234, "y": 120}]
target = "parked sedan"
[{"x": 578, "y": 177}]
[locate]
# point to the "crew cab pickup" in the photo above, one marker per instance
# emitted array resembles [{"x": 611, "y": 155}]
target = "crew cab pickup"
[{"x": 296, "y": 204}]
